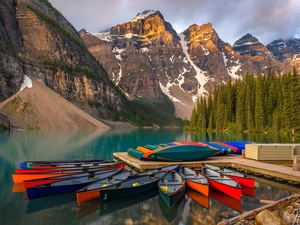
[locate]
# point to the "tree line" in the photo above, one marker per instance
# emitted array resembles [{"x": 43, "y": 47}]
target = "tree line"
[{"x": 256, "y": 103}]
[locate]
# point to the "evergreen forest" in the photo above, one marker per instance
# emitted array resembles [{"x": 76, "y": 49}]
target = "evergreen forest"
[{"x": 255, "y": 103}]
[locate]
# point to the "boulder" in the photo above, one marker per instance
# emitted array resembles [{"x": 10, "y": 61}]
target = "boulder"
[
  {"x": 266, "y": 217},
  {"x": 289, "y": 215}
]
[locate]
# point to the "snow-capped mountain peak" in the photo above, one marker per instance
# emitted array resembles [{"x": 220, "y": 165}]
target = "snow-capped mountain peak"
[{"x": 143, "y": 15}]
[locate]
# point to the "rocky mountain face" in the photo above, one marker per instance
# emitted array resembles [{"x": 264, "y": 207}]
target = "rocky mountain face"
[
  {"x": 287, "y": 51},
  {"x": 37, "y": 41},
  {"x": 255, "y": 57},
  {"x": 145, "y": 57}
]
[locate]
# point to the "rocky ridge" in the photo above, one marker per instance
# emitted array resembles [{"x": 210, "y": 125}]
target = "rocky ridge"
[
  {"x": 145, "y": 57},
  {"x": 286, "y": 51},
  {"x": 39, "y": 42}
]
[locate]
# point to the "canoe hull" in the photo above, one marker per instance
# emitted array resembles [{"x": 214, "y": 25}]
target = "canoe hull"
[
  {"x": 234, "y": 192},
  {"x": 171, "y": 187},
  {"x": 182, "y": 153},
  {"x": 244, "y": 181},
  {"x": 170, "y": 200},
  {"x": 92, "y": 191},
  {"x": 30, "y": 164},
  {"x": 226, "y": 200},
  {"x": 201, "y": 188},
  {"x": 67, "y": 185},
  {"x": 21, "y": 177},
  {"x": 194, "y": 180},
  {"x": 86, "y": 196},
  {"x": 112, "y": 194},
  {"x": 34, "y": 192},
  {"x": 198, "y": 197},
  {"x": 223, "y": 183},
  {"x": 238, "y": 177}
]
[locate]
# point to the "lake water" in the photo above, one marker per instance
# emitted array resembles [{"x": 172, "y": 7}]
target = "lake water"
[{"x": 18, "y": 146}]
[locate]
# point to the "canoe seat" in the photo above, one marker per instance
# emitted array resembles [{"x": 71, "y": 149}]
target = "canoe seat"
[
  {"x": 221, "y": 179},
  {"x": 164, "y": 188}
]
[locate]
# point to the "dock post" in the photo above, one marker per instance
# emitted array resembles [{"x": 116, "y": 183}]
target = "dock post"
[{"x": 296, "y": 163}]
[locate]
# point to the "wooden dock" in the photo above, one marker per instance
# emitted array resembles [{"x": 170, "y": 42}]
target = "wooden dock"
[{"x": 235, "y": 161}]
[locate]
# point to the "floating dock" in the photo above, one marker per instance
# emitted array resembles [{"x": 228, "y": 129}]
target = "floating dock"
[{"x": 268, "y": 170}]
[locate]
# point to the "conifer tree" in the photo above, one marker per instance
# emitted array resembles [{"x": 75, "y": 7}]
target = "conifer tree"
[
  {"x": 259, "y": 104},
  {"x": 240, "y": 105}
]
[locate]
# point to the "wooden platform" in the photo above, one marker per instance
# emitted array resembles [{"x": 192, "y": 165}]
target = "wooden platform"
[{"x": 236, "y": 161}]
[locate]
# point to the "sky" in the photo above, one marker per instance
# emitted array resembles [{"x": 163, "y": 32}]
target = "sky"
[{"x": 267, "y": 20}]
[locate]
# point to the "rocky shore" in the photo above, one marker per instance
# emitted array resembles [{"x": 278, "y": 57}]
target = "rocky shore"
[{"x": 283, "y": 212}]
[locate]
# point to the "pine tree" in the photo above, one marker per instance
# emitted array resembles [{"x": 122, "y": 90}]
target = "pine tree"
[
  {"x": 240, "y": 105},
  {"x": 210, "y": 112},
  {"x": 259, "y": 104},
  {"x": 294, "y": 99}
]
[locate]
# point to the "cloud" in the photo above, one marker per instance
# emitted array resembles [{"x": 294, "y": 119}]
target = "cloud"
[{"x": 267, "y": 20}]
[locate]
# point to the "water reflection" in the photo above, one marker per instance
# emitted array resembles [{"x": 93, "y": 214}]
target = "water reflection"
[
  {"x": 113, "y": 205},
  {"x": 170, "y": 213}
]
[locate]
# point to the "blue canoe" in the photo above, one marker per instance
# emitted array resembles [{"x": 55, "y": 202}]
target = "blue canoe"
[
  {"x": 238, "y": 144},
  {"x": 65, "y": 186},
  {"x": 224, "y": 150},
  {"x": 30, "y": 164}
]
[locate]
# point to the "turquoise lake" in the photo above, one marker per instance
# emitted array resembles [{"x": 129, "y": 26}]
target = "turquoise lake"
[{"x": 18, "y": 146}]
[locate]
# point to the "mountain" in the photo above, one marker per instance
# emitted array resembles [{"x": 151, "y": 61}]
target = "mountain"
[
  {"x": 286, "y": 51},
  {"x": 36, "y": 40},
  {"x": 256, "y": 57},
  {"x": 145, "y": 57},
  {"x": 39, "y": 107},
  {"x": 139, "y": 71}
]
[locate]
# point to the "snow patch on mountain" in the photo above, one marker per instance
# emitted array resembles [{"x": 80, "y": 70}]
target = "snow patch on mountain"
[
  {"x": 166, "y": 91},
  {"x": 246, "y": 43},
  {"x": 200, "y": 75},
  {"x": 282, "y": 44},
  {"x": 142, "y": 50},
  {"x": 231, "y": 70},
  {"x": 206, "y": 51},
  {"x": 26, "y": 83},
  {"x": 120, "y": 74},
  {"x": 118, "y": 51},
  {"x": 103, "y": 36}
]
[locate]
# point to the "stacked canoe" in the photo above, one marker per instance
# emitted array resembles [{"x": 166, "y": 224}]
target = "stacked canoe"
[
  {"x": 186, "y": 151},
  {"x": 174, "y": 151}
]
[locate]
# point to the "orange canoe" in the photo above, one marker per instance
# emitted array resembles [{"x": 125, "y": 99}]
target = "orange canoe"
[
  {"x": 195, "y": 180},
  {"x": 21, "y": 177}
]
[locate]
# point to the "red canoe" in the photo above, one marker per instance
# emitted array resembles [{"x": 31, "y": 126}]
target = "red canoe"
[
  {"x": 21, "y": 177},
  {"x": 242, "y": 179},
  {"x": 223, "y": 183},
  {"x": 75, "y": 169},
  {"x": 226, "y": 200}
]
